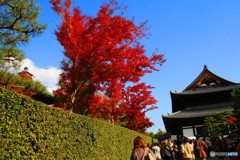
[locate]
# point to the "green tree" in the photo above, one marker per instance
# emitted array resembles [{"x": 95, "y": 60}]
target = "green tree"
[
  {"x": 236, "y": 99},
  {"x": 18, "y": 22},
  {"x": 236, "y": 106},
  {"x": 225, "y": 122},
  {"x": 159, "y": 132},
  {"x": 218, "y": 124}
]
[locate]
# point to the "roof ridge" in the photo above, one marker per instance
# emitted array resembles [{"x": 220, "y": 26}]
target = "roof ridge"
[{"x": 205, "y": 69}]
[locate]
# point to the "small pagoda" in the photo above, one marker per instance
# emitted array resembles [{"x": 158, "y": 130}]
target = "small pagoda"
[
  {"x": 26, "y": 74},
  {"x": 44, "y": 97},
  {"x": 204, "y": 97}
]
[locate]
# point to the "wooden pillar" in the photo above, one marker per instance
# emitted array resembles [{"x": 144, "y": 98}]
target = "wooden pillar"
[{"x": 194, "y": 131}]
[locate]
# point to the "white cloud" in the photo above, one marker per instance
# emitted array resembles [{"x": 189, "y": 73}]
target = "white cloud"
[{"x": 47, "y": 76}]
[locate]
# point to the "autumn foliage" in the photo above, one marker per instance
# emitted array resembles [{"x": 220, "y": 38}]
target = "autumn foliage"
[
  {"x": 232, "y": 120},
  {"x": 104, "y": 62}
]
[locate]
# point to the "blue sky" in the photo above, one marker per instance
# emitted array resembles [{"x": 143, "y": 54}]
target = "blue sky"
[{"x": 189, "y": 33}]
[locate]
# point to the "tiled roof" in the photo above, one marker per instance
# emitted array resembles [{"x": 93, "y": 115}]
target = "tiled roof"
[
  {"x": 200, "y": 111},
  {"x": 205, "y": 70},
  {"x": 208, "y": 90}
]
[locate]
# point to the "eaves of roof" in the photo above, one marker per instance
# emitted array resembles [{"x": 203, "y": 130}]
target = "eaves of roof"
[
  {"x": 207, "y": 90},
  {"x": 200, "y": 111}
]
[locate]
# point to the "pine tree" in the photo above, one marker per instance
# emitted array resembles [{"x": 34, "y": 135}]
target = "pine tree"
[{"x": 18, "y": 22}]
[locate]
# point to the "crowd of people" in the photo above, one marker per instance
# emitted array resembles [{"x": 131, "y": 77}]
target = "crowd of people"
[{"x": 184, "y": 148}]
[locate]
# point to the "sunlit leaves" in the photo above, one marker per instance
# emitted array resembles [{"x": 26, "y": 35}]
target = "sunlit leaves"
[{"x": 103, "y": 54}]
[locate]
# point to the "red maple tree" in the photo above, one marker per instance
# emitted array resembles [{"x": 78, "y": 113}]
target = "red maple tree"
[{"x": 103, "y": 65}]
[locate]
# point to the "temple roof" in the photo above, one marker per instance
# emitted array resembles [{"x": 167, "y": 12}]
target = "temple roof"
[
  {"x": 26, "y": 74},
  {"x": 206, "y": 96},
  {"x": 207, "y": 79},
  {"x": 200, "y": 111},
  {"x": 207, "y": 90}
]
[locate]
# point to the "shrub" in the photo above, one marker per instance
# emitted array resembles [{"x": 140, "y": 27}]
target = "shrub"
[
  {"x": 33, "y": 130},
  {"x": 28, "y": 87}
]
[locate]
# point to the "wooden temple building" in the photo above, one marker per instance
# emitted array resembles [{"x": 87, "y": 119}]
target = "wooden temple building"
[{"x": 204, "y": 97}]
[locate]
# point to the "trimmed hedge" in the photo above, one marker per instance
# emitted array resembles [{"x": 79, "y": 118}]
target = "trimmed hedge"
[{"x": 33, "y": 130}]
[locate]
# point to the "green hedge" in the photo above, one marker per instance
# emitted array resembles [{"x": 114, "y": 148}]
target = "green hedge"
[{"x": 33, "y": 130}]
